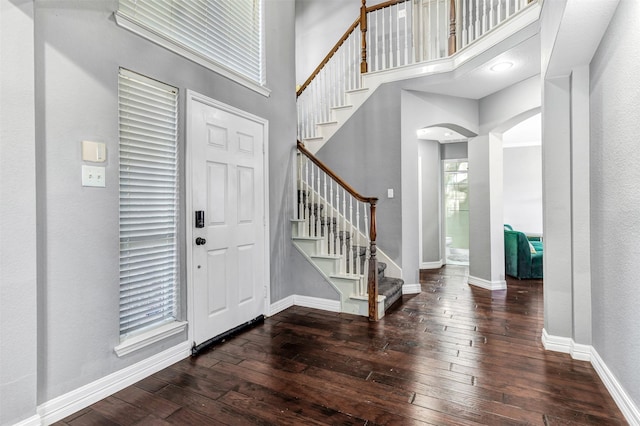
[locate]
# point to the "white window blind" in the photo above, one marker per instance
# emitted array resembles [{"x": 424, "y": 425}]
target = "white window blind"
[
  {"x": 148, "y": 117},
  {"x": 228, "y": 32}
]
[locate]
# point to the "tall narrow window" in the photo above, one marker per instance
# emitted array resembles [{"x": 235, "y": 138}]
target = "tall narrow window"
[
  {"x": 148, "y": 117},
  {"x": 224, "y": 32}
]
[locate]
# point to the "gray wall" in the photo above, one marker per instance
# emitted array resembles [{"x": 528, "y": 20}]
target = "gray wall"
[
  {"x": 454, "y": 151},
  {"x": 420, "y": 110},
  {"x": 18, "y": 307},
  {"x": 365, "y": 152},
  {"x": 522, "y": 188},
  {"x": 615, "y": 201},
  {"x": 431, "y": 197},
  {"x": 78, "y": 51},
  {"x": 319, "y": 26}
]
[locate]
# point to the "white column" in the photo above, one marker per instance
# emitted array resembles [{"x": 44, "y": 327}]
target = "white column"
[
  {"x": 581, "y": 205},
  {"x": 18, "y": 244},
  {"x": 486, "y": 232},
  {"x": 556, "y": 199}
]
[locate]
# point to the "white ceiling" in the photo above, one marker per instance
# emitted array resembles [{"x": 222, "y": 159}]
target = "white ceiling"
[{"x": 475, "y": 80}]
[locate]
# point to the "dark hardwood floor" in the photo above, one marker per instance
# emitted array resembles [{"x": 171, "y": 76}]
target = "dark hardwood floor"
[{"x": 452, "y": 355}]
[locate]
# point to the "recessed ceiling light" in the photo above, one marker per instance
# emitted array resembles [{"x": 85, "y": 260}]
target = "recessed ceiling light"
[
  {"x": 501, "y": 66},
  {"x": 447, "y": 134}
]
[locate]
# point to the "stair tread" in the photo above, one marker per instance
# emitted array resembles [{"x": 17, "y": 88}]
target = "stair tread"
[
  {"x": 308, "y": 238},
  {"x": 345, "y": 276},
  {"x": 326, "y": 256},
  {"x": 326, "y": 123},
  {"x": 342, "y": 107},
  {"x": 313, "y": 138}
]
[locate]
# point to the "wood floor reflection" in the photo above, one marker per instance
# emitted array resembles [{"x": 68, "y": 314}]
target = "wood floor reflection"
[{"x": 451, "y": 355}]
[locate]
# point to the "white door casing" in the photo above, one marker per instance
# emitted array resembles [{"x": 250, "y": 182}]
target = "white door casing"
[{"x": 228, "y": 276}]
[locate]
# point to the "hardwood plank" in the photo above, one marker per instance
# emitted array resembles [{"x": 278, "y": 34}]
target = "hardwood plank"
[{"x": 452, "y": 355}]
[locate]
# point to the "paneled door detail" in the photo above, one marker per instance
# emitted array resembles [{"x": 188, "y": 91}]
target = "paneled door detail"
[{"x": 227, "y": 183}]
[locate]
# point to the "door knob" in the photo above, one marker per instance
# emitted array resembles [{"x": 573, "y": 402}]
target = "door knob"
[{"x": 200, "y": 241}]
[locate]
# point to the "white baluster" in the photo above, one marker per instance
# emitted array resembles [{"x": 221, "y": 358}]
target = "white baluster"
[
  {"x": 465, "y": 19},
  {"x": 390, "y": 39},
  {"x": 325, "y": 216},
  {"x": 377, "y": 39},
  {"x": 498, "y": 12},
  {"x": 351, "y": 233},
  {"x": 343, "y": 259},
  {"x": 406, "y": 33},
  {"x": 478, "y": 28},
  {"x": 330, "y": 216},
  {"x": 491, "y": 17},
  {"x": 382, "y": 44},
  {"x": 305, "y": 198},
  {"x": 318, "y": 204},
  {"x": 508, "y": 8},
  {"x": 438, "y": 41},
  {"x": 484, "y": 18},
  {"x": 357, "y": 261},
  {"x": 312, "y": 210},
  {"x": 367, "y": 252}
]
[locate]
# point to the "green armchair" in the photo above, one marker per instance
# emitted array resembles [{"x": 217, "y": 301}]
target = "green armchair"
[{"x": 523, "y": 258}]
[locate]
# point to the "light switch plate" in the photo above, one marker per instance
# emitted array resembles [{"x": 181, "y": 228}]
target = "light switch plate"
[
  {"x": 390, "y": 193},
  {"x": 96, "y": 152},
  {"x": 93, "y": 176}
]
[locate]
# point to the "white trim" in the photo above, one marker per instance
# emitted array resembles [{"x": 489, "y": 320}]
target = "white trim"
[
  {"x": 34, "y": 420},
  {"x": 582, "y": 352},
  {"x": 431, "y": 265},
  {"x": 566, "y": 345},
  {"x": 317, "y": 303},
  {"x": 305, "y": 301},
  {"x": 281, "y": 305},
  {"x": 624, "y": 401},
  {"x": 126, "y": 23},
  {"x": 411, "y": 288},
  {"x": 488, "y": 285},
  {"x": 195, "y": 96},
  {"x": 145, "y": 339},
  {"x": 74, "y": 401}
]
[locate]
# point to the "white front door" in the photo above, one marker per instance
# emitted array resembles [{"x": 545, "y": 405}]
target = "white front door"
[{"x": 227, "y": 255}]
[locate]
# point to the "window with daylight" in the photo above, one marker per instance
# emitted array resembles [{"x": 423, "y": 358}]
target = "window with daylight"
[
  {"x": 148, "y": 122},
  {"x": 224, "y": 35}
]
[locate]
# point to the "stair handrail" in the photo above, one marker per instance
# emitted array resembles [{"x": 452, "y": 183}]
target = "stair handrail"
[
  {"x": 315, "y": 160},
  {"x": 362, "y": 21},
  {"x": 328, "y": 57},
  {"x": 372, "y": 283}
]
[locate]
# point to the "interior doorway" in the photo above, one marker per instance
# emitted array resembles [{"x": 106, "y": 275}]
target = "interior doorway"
[{"x": 456, "y": 211}]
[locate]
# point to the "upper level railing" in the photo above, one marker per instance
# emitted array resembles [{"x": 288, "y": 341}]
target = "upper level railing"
[{"x": 393, "y": 34}]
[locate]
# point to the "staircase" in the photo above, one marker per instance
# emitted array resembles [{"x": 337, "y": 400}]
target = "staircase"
[
  {"x": 335, "y": 229},
  {"x": 395, "y": 40}
]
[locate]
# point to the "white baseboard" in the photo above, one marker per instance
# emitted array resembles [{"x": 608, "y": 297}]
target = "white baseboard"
[
  {"x": 431, "y": 265},
  {"x": 411, "y": 288},
  {"x": 582, "y": 352},
  {"x": 31, "y": 421},
  {"x": 566, "y": 345},
  {"x": 629, "y": 409},
  {"x": 69, "y": 403},
  {"x": 305, "y": 301},
  {"x": 281, "y": 305},
  {"x": 487, "y": 285},
  {"x": 317, "y": 303}
]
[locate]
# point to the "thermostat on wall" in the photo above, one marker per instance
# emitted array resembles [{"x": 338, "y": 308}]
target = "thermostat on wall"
[{"x": 96, "y": 152}]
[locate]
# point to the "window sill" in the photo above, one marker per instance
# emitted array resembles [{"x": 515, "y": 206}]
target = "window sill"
[
  {"x": 124, "y": 22},
  {"x": 145, "y": 339}
]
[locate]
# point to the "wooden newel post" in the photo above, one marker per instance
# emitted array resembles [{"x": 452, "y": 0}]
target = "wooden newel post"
[
  {"x": 372, "y": 285},
  {"x": 363, "y": 43},
  {"x": 452, "y": 27}
]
